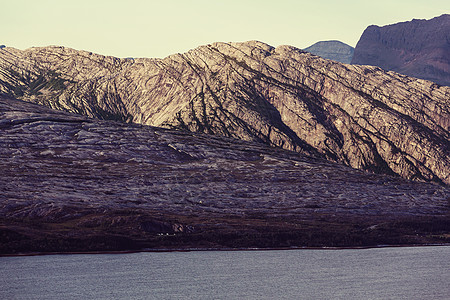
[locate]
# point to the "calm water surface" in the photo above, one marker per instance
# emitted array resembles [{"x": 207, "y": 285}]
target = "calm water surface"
[{"x": 385, "y": 273}]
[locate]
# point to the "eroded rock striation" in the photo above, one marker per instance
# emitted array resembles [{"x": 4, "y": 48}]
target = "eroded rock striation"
[
  {"x": 361, "y": 116},
  {"x": 71, "y": 183},
  {"x": 334, "y": 50},
  {"x": 418, "y": 48}
]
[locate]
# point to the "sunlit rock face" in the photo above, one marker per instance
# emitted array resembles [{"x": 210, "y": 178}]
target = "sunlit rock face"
[
  {"x": 362, "y": 116},
  {"x": 71, "y": 183},
  {"x": 418, "y": 48}
]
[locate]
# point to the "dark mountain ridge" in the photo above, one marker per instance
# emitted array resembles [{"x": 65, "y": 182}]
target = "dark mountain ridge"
[{"x": 418, "y": 48}]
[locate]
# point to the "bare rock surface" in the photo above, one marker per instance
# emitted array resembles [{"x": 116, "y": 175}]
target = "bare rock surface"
[
  {"x": 418, "y": 48},
  {"x": 334, "y": 50},
  {"x": 72, "y": 183},
  {"x": 362, "y": 116}
]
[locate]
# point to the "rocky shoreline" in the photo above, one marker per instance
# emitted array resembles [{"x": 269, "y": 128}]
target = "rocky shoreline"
[{"x": 220, "y": 250}]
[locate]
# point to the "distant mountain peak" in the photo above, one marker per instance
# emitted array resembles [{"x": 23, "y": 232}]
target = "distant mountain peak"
[{"x": 334, "y": 50}]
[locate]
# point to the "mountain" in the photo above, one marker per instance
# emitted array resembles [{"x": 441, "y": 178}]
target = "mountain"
[
  {"x": 419, "y": 48},
  {"x": 334, "y": 50},
  {"x": 362, "y": 116},
  {"x": 70, "y": 183}
]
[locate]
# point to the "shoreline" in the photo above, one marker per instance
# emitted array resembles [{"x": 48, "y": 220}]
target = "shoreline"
[{"x": 166, "y": 250}]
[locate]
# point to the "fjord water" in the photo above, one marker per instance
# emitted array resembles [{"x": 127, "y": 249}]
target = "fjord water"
[{"x": 382, "y": 273}]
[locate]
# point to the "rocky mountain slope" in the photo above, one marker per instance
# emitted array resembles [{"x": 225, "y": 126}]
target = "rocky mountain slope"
[
  {"x": 419, "y": 48},
  {"x": 70, "y": 183},
  {"x": 334, "y": 50},
  {"x": 361, "y": 116}
]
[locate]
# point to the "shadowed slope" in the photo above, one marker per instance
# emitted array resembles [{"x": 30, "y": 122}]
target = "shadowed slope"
[{"x": 69, "y": 183}]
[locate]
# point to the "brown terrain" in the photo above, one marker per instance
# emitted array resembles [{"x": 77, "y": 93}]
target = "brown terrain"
[
  {"x": 71, "y": 183},
  {"x": 262, "y": 147}
]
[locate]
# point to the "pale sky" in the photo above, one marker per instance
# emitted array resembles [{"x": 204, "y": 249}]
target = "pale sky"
[{"x": 139, "y": 28}]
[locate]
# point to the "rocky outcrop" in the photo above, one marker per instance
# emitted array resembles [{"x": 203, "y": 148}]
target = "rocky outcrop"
[
  {"x": 362, "y": 116},
  {"x": 419, "y": 48},
  {"x": 334, "y": 50},
  {"x": 70, "y": 183}
]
